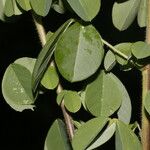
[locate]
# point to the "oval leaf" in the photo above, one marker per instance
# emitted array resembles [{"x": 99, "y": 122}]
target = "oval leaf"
[
  {"x": 80, "y": 58},
  {"x": 87, "y": 132},
  {"x": 104, "y": 137},
  {"x": 103, "y": 96},
  {"x": 125, "y": 138},
  {"x": 141, "y": 50},
  {"x": 72, "y": 101},
  {"x": 125, "y": 48},
  {"x": 16, "y": 87},
  {"x": 50, "y": 79},
  {"x": 24, "y": 4},
  {"x": 41, "y": 7},
  {"x": 57, "y": 137},
  {"x": 123, "y": 14},
  {"x": 142, "y": 13},
  {"x": 86, "y": 9},
  {"x": 109, "y": 61}
]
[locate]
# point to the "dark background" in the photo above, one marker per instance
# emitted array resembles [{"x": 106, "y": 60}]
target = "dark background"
[{"x": 27, "y": 130}]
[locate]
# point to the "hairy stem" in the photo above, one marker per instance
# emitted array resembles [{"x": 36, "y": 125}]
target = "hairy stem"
[
  {"x": 146, "y": 87},
  {"x": 42, "y": 36}
]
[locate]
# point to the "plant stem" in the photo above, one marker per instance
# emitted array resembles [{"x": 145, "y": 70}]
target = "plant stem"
[
  {"x": 42, "y": 36},
  {"x": 145, "y": 132},
  {"x": 115, "y": 50}
]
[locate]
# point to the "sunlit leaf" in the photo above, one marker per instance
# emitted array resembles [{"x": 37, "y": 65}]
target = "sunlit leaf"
[
  {"x": 79, "y": 52},
  {"x": 16, "y": 87},
  {"x": 109, "y": 61},
  {"x": 103, "y": 96},
  {"x": 2, "y": 4},
  {"x": 142, "y": 13},
  {"x": 87, "y": 132},
  {"x": 41, "y": 7},
  {"x": 57, "y": 138},
  {"x": 50, "y": 79},
  {"x": 60, "y": 96},
  {"x": 86, "y": 9},
  {"x": 141, "y": 50},
  {"x": 123, "y": 14},
  {"x": 59, "y": 7},
  {"x": 126, "y": 138}
]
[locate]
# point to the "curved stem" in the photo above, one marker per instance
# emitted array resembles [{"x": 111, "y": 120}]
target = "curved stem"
[
  {"x": 42, "y": 36},
  {"x": 146, "y": 87}
]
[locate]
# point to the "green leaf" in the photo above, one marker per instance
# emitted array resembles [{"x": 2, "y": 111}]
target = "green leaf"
[
  {"x": 16, "y": 87},
  {"x": 123, "y": 14},
  {"x": 2, "y": 4},
  {"x": 142, "y": 13},
  {"x": 72, "y": 101},
  {"x": 80, "y": 58},
  {"x": 27, "y": 63},
  {"x": 11, "y": 8},
  {"x": 109, "y": 61},
  {"x": 41, "y": 7},
  {"x": 125, "y": 48},
  {"x": 125, "y": 138},
  {"x": 60, "y": 97},
  {"x": 147, "y": 102},
  {"x": 50, "y": 79},
  {"x": 124, "y": 112},
  {"x": 104, "y": 137},
  {"x": 24, "y": 4},
  {"x": 46, "y": 54},
  {"x": 86, "y": 9},
  {"x": 141, "y": 50},
  {"x": 103, "y": 96},
  {"x": 59, "y": 7},
  {"x": 57, "y": 138},
  {"x": 87, "y": 132}
]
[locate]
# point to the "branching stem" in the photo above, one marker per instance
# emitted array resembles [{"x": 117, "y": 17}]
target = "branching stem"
[{"x": 42, "y": 36}]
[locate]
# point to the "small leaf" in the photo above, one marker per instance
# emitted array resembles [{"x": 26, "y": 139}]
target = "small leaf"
[
  {"x": 80, "y": 58},
  {"x": 125, "y": 138},
  {"x": 16, "y": 87},
  {"x": 109, "y": 61},
  {"x": 141, "y": 50},
  {"x": 59, "y": 7},
  {"x": 27, "y": 63},
  {"x": 142, "y": 13},
  {"x": 147, "y": 102},
  {"x": 86, "y": 9},
  {"x": 103, "y": 96},
  {"x": 124, "y": 112},
  {"x": 57, "y": 138},
  {"x": 104, "y": 137},
  {"x": 41, "y": 7},
  {"x": 72, "y": 101},
  {"x": 87, "y": 132},
  {"x": 123, "y": 14},
  {"x": 50, "y": 79},
  {"x": 125, "y": 48},
  {"x": 11, "y": 8},
  {"x": 60, "y": 97},
  {"x": 24, "y": 4},
  {"x": 45, "y": 55}
]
